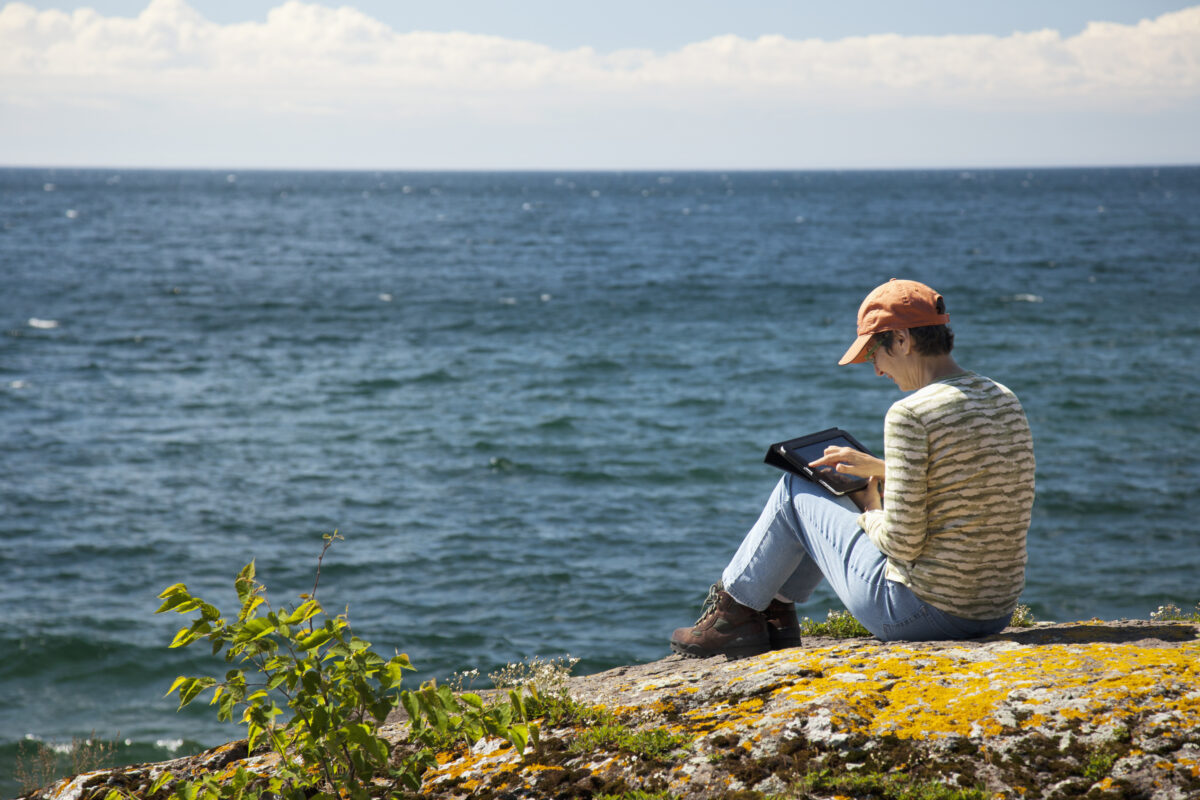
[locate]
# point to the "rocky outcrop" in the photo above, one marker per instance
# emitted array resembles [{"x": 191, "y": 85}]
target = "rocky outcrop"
[{"x": 1091, "y": 709}]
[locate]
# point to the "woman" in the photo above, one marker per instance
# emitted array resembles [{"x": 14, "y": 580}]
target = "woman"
[{"x": 934, "y": 546}]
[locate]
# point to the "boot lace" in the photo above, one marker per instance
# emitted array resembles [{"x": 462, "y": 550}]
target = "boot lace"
[{"x": 710, "y": 602}]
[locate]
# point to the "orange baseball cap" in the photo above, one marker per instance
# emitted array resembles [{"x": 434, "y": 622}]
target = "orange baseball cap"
[{"x": 895, "y": 306}]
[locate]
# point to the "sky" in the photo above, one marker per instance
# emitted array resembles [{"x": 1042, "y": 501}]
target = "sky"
[{"x": 553, "y": 84}]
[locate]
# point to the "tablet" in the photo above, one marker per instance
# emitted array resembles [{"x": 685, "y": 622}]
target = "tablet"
[{"x": 794, "y": 456}]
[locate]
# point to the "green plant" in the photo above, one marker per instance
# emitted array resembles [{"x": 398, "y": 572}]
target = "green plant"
[
  {"x": 1022, "y": 617},
  {"x": 1172, "y": 613},
  {"x": 338, "y": 690},
  {"x": 601, "y": 728},
  {"x": 439, "y": 718},
  {"x": 1099, "y": 764},
  {"x": 885, "y": 786},
  {"x": 837, "y": 624},
  {"x": 560, "y": 709},
  {"x": 652, "y": 744}
]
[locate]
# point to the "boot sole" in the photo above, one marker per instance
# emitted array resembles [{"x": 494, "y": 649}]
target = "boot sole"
[{"x": 729, "y": 652}]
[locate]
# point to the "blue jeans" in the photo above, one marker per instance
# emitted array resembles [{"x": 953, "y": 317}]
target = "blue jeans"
[{"x": 805, "y": 534}]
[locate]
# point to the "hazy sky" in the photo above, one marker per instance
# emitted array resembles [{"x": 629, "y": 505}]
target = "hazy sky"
[{"x": 479, "y": 84}]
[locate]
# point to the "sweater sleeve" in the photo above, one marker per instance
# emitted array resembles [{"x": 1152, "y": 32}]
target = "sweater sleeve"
[{"x": 901, "y": 529}]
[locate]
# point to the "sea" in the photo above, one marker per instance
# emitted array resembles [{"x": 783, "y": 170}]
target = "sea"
[{"x": 533, "y": 405}]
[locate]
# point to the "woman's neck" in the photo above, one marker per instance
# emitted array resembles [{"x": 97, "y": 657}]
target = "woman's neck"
[{"x": 937, "y": 368}]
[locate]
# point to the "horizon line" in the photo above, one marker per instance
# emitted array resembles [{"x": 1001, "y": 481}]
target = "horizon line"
[{"x": 909, "y": 168}]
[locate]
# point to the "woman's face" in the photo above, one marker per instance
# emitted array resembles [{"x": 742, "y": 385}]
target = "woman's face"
[{"x": 901, "y": 365}]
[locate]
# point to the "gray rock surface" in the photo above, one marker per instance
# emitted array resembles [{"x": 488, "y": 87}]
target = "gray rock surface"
[{"x": 1091, "y": 709}]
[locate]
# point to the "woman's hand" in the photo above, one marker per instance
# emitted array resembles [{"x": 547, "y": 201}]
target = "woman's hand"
[
  {"x": 851, "y": 462},
  {"x": 868, "y": 498}
]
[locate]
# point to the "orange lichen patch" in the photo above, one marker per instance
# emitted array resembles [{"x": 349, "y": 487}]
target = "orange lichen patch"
[
  {"x": 624, "y": 711},
  {"x": 1074, "y": 713},
  {"x": 738, "y": 715},
  {"x": 495, "y": 760},
  {"x": 661, "y": 707},
  {"x": 917, "y": 694}
]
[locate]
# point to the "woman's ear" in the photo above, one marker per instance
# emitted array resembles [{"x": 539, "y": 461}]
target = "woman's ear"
[{"x": 902, "y": 342}]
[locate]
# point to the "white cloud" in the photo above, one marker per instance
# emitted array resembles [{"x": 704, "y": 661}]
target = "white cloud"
[
  {"x": 308, "y": 58},
  {"x": 319, "y": 86}
]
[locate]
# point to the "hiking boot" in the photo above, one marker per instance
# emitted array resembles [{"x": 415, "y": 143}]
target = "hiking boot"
[
  {"x": 783, "y": 628},
  {"x": 726, "y": 627}
]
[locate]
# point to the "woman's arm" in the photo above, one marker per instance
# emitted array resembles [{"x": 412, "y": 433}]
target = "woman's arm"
[{"x": 901, "y": 529}]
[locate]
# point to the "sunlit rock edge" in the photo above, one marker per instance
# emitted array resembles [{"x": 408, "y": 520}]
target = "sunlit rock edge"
[{"x": 1089, "y": 709}]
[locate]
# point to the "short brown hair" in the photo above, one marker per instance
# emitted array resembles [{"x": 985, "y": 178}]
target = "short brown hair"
[{"x": 930, "y": 340}]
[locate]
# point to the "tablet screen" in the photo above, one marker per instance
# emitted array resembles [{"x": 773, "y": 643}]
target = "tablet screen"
[{"x": 839, "y": 480}]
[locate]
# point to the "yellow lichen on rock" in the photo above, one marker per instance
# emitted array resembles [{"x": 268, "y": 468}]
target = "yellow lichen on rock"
[{"x": 1103, "y": 710}]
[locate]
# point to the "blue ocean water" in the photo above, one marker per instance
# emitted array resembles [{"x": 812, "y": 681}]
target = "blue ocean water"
[{"x": 534, "y": 404}]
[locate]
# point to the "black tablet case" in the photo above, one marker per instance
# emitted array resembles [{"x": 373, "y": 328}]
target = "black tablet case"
[{"x": 783, "y": 456}]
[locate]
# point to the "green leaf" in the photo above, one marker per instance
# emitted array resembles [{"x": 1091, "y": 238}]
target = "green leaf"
[
  {"x": 189, "y": 688},
  {"x": 382, "y": 707},
  {"x": 319, "y": 721},
  {"x": 411, "y": 706},
  {"x": 518, "y": 704},
  {"x": 502, "y": 715},
  {"x": 337, "y": 650},
  {"x": 311, "y": 682},
  {"x": 161, "y": 781},
  {"x": 254, "y": 629},
  {"x": 177, "y": 598},
  {"x": 174, "y": 588},
  {"x": 278, "y": 662},
  {"x": 186, "y": 790},
  {"x": 393, "y": 675},
  {"x": 245, "y": 582},
  {"x": 225, "y": 708},
  {"x": 183, "y": 638},
  {"x": 186, "y": 636},
  {"x": 314, "y": 639},
  {"x": 361, "y": 736},
  {"x": 436, "y": 714},
  {"x": 304, "y": 612},
  {"x": 249, "y": 606},
  {"x": 253, "y": 732},
  {"x": 519, "y": 736}
]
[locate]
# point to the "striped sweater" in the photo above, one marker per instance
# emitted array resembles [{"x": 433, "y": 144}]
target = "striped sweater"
[{"x": 957, "y": 496}]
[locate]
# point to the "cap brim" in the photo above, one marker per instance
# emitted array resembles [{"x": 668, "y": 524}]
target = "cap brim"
[{"x": 857, "y": 353}]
